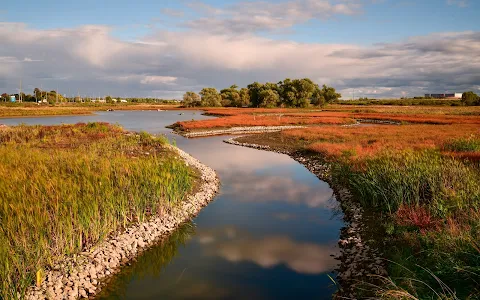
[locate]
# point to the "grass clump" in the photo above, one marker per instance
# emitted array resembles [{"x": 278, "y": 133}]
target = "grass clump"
[
  {"x": 429, "y": 204},
  {"x": 427, "y": 178},
  {"x": 65, "y": 188},
  {"x": 470, "y": 144}
]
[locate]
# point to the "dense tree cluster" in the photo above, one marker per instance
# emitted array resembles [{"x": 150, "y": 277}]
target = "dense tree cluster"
[
  {"x": 287, "y": 93},
  {"x": 470, "y": 98}
]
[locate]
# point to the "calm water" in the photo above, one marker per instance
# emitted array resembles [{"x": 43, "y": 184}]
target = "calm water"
[{"x": 269, "y": 234}]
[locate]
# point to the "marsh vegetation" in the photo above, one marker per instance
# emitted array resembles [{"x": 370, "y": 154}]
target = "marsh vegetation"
[{"x": 68, "y": 187}]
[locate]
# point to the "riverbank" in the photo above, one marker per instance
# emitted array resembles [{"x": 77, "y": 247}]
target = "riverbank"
[
  {"x": 420, "y": 207},
  {"x": 360, "y": 257},
  {"x": 90, "y": 269},
  {"x": 140, "y": 197}
]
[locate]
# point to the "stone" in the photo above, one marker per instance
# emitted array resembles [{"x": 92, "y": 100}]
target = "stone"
[{"x": 83, "y": 293}]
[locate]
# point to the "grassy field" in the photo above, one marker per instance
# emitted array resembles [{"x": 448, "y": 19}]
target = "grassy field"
[
  {"x": 421, "y": 177},
  {"x": 65, "y": 188}
]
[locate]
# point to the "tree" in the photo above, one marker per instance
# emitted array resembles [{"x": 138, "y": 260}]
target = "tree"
[
  {"x": 269, "y": 98},
  {"x": 244, "y": 97},
  {"x": 317, "y": 97},
  {"x": 470, "y": 98},
  {"x": 210, "y": 97},
  {"x": 230, "y": 96},
  {"x": 5, "y": 97},
  {"x": 37, "y": 93},
  {"x": 191, "y": 99},
  {"x": 329, "y": 94},
  {"x": 297, "y": 92},
  {"x": 108, "y": 99},
  {"x": 254, "y": 90}
]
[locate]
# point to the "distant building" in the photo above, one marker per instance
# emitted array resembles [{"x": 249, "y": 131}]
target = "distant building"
[
  {"x": 123, "y": 101},
  {"x": 13, "y": 99},
  {"x": 444, "y": 96}
]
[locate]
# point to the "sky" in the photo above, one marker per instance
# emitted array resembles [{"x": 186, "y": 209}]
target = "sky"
[{"x": 147, "y": 48}]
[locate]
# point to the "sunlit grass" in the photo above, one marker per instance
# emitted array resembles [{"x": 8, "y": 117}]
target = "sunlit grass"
[
  {"x": 429, "y": 204},
  {"x": 65, "y": 188}
]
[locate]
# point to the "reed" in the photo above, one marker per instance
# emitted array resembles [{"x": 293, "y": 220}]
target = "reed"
[
  {"x": 429, "y": 204},
  {"x": 65, "y": 188}
]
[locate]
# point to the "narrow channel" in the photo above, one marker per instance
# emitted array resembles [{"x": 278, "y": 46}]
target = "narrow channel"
[{"x": 271, "y": 233}]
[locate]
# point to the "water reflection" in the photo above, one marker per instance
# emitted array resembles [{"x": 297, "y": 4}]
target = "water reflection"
[
  {"x": 268, "y": 251},
  {"x": 251, "y": 186},
  {"x": 269, "y": 234},
  {"x": 149, "y": 264}
]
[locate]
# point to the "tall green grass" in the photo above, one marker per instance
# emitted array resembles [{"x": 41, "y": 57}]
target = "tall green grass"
[
  {"x": 65, "y": 188},
  {"x": 471, "y": 144},
  {"x": 429, "y": 205},
  {"x": 442, "y": 184}
]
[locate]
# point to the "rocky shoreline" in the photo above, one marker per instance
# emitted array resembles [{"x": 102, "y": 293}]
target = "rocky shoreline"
[
  {"x": 360, "y": 260},
  {"x": 236, "y": 130},
  {"x": 82, "y": 275}
]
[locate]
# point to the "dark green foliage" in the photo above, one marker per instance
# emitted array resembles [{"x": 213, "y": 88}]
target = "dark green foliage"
[
  {"x": 471, "y": 144},
  {"x": 288, "y": 93},
  {"x": 210, "y": 97},
  {"x": 470, "y": 98}
]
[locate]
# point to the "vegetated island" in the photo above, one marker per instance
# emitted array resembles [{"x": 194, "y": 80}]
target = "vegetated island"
[
  {"x": 408, "y": 182},
  {"x": 77, "y": 201}
]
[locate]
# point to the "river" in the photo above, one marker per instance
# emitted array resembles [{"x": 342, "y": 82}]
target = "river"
[{"x": 271, "y": 232}]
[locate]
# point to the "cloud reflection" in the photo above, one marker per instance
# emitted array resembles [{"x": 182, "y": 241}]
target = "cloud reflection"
[
  {"x": 252, "y": 187},
  {"x": 270, "y": 251}
]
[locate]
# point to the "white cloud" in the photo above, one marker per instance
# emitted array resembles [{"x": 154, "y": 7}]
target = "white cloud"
[
  {"x": 155, "y": 80},
  {"x": 255, "y": 16},
  {"x": 459, "y": 3},
  {"x": 173, "y": 62}
]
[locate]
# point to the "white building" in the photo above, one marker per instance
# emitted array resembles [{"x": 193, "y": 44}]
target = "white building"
[{"x": 445, "y": 96}]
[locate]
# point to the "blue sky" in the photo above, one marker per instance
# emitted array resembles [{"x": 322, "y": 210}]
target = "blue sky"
[
  {"x": 165, "y": 28},
  {"x": 380, "y": 21}
]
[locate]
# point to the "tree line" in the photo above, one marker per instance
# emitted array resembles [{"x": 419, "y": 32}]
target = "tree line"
[
  {"x": 287, "y": 93},
  {"x": 52, "y": 97}
]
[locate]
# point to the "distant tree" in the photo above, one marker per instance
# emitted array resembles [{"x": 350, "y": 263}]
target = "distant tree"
[
  {"x": 317, "y": 98},
  {"x": 470, "y": 98},
  {"x": 254, "y": 90},
  {"x": 269, "y": 98},
  {"x": 37, "y": 93},
  {"x": 231, "y": 96},
  {"x": 108, "y": 99},
  {"x": 28, "y": 98},
  {"x": 329, "y": 94},
  {"x": 5, "y": 97},
  {"x": 297, "y": 92},
  {"x": 244, "y": 97},
  {"x": 210, "y": 97},
  {"x": 191, "y": 99}
]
